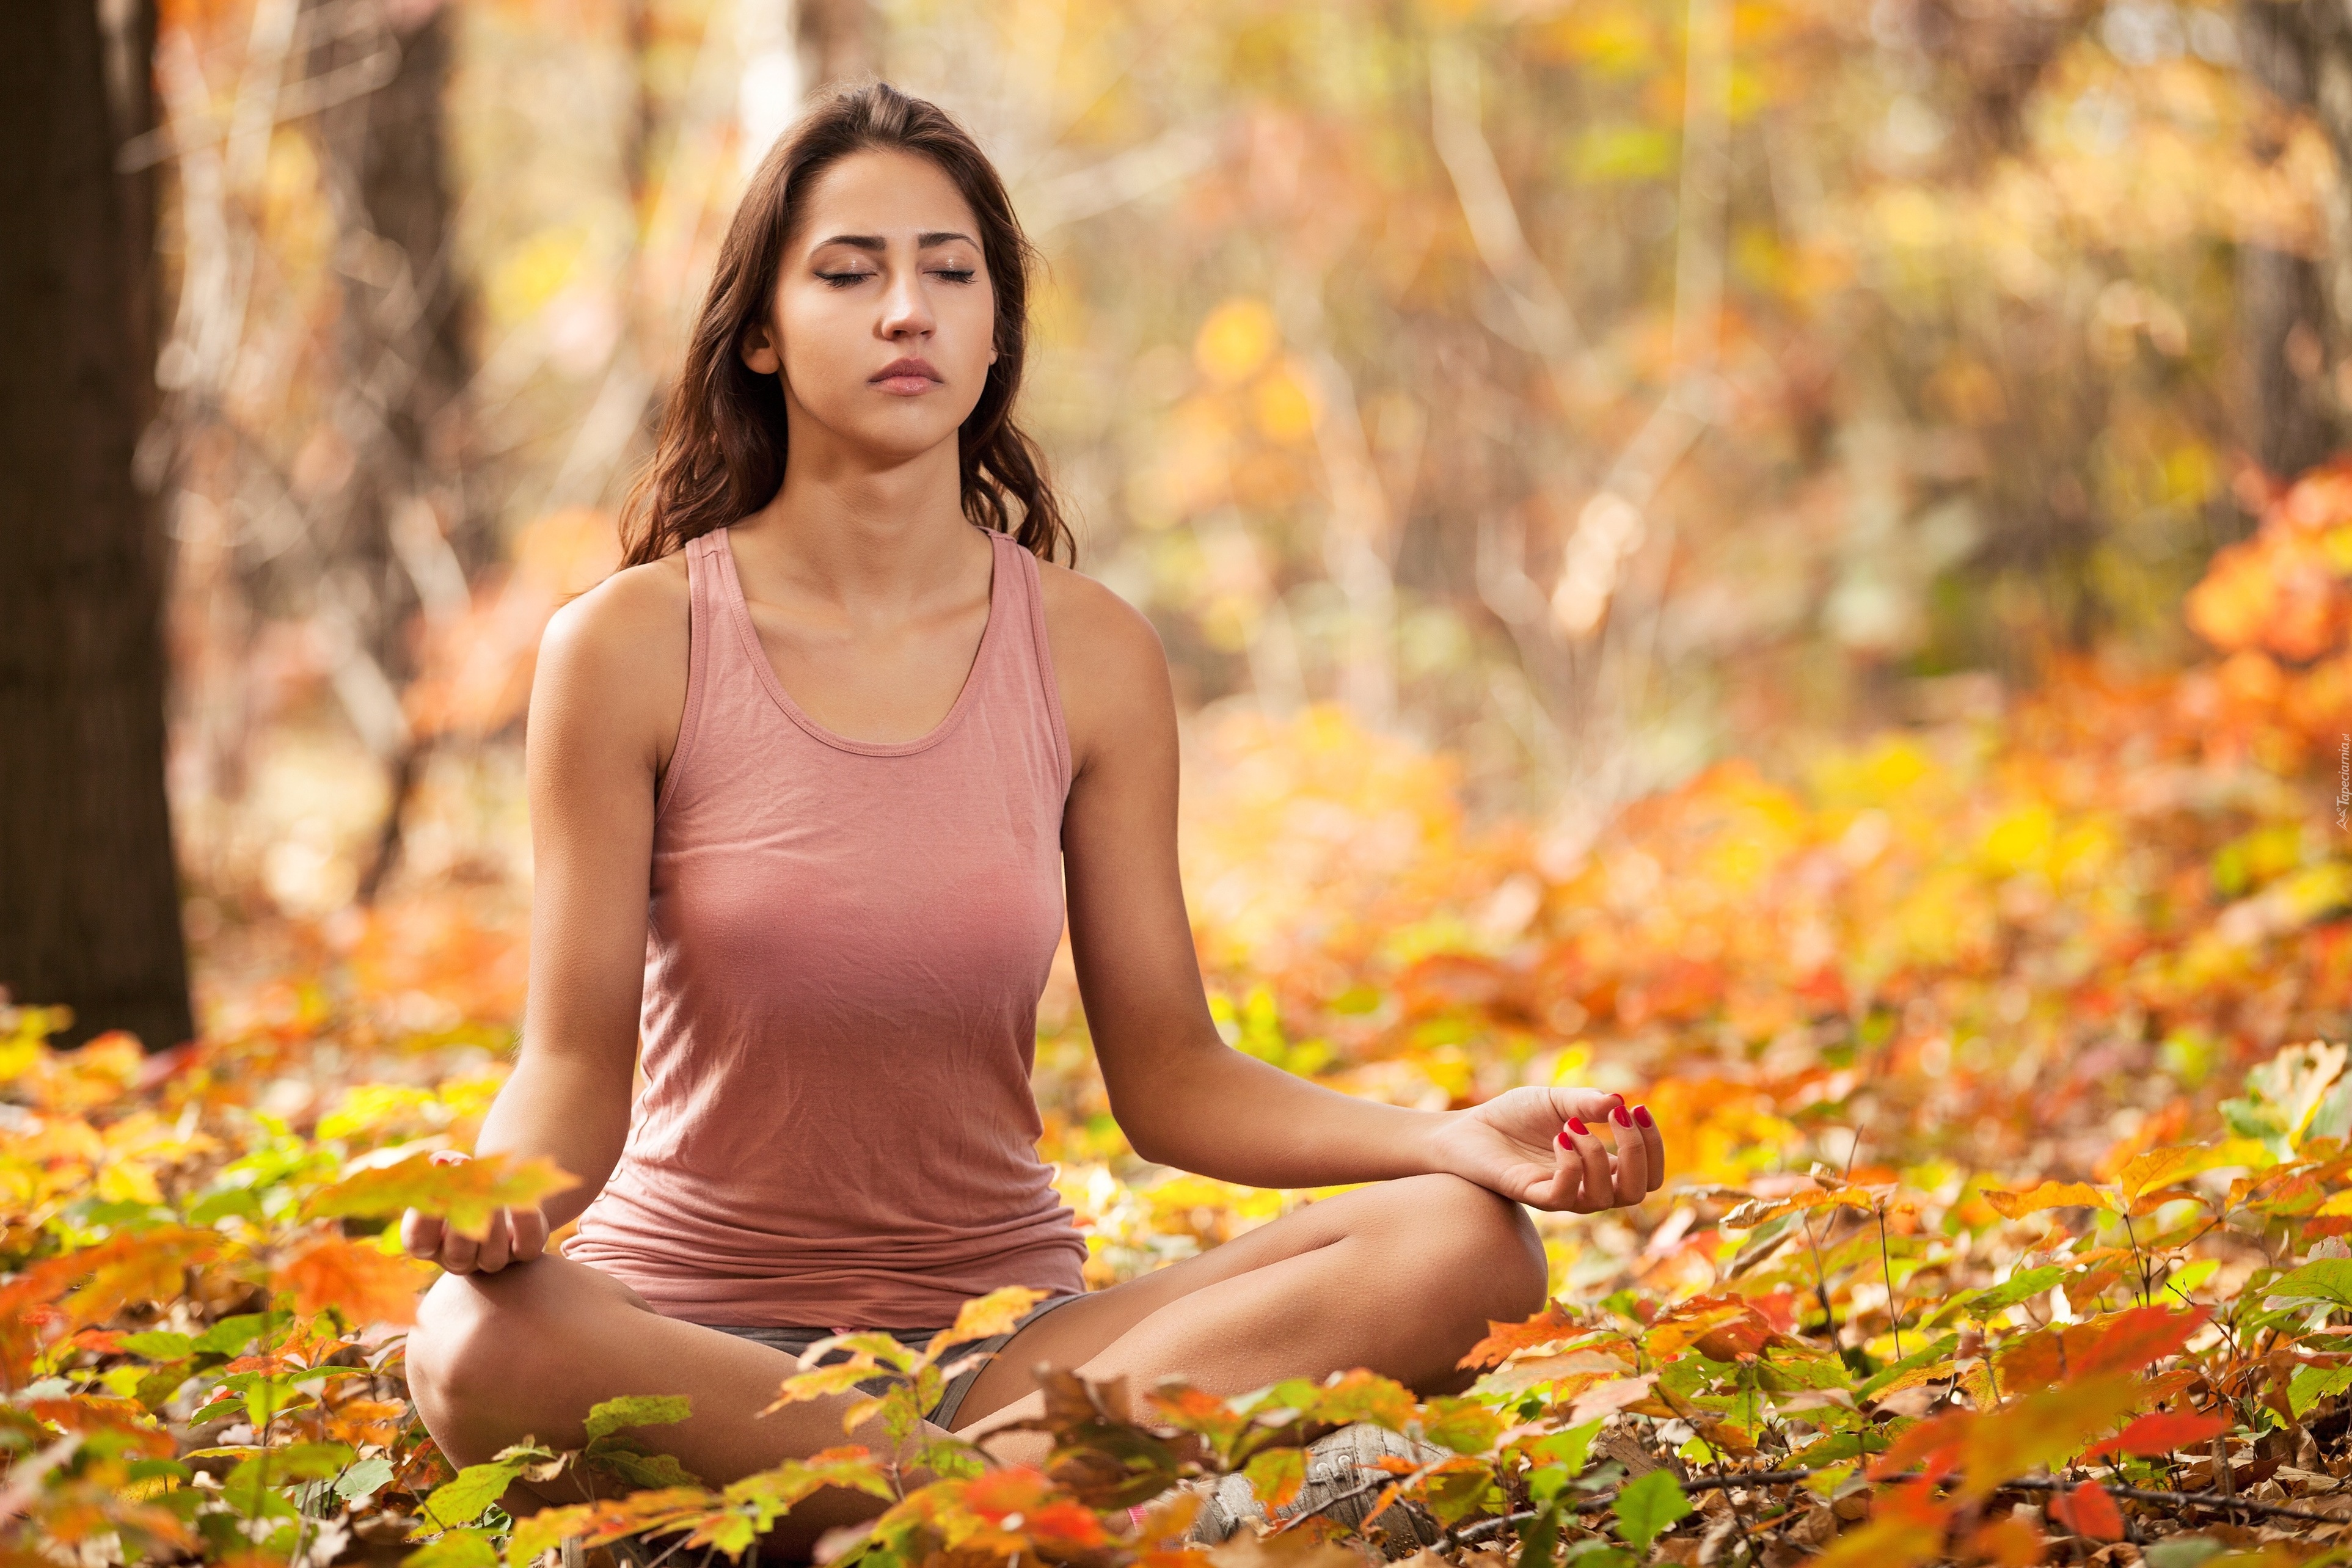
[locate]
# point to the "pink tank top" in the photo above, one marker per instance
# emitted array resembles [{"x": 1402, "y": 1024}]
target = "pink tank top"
[{"x": 846, "y": 945}]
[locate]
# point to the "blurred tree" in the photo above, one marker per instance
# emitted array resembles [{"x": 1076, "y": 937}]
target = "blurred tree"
[
  {"x": 89, "y": 911},
  {"x": 2295, "y": 309},
  {"x": 400, "y": 532}
]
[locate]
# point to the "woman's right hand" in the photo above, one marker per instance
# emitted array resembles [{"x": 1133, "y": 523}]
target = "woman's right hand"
[{"x": 515, "y": 1235}]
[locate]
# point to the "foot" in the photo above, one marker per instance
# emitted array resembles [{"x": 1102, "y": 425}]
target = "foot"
[{"x": 1342, "y": 1481}]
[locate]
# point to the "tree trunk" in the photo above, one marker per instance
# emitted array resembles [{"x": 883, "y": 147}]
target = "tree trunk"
[
  {"x": 90, "y": 909},
  {"x": 2294, "y": 311}
]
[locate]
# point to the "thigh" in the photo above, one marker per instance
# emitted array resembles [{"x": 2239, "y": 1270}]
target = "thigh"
[{"x": 1433, "y": 1256}]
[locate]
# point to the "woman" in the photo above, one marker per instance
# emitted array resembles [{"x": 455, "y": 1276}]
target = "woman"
[{"x": 808, "y": 777}]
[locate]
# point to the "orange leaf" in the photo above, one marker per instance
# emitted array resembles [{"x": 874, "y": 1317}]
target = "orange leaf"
[
  {"x": 2049, "y": 1195},
  {"x": 1504, "y": 1340},
  {"x": 2164, "y": 1432},
  {"x": 2088, "y": 1511},
  {"x": 368, "y": 1285},
  {"x": 2009, "y": 1542}
]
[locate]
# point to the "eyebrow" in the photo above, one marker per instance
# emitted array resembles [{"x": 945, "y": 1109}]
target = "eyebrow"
[{"x": 876, "y": 244}]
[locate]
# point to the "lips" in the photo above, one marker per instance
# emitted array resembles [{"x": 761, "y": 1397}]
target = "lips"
[{"x": 906, "y": 377}]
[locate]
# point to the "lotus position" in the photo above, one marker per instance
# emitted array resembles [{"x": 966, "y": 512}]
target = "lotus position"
[{"x": 812, "y": 778}]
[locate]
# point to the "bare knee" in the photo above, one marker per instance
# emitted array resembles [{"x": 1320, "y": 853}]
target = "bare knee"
[
  {"x": 1480, "y": 1240},
  {"x": 475, "y": 1351}
]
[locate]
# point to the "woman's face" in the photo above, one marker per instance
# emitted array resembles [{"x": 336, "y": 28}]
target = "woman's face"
[{"x": 884, "y": 306}]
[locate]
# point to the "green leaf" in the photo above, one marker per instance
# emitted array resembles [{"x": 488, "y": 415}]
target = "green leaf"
[
  {"x": 1465, "y": 1426},
  {"x": 2310, "y": 1384},
  {"x": 455, "y": 1549},
  {"x": 640, "y": 1467},
  {"x": 1650, "y": 1505},
  {"x": 1939, "y": 1351},
  {"x": 1561, "y": 1458},
  {"x": 461, "y": 1499},
  {"x": 160, "y": 1344},
  {"x": 2327, "y": 1280},
  {"x": 364, "y": 1480},
  {"x": 610, "y": 1416},
  {"x": 2182, "y": 1552},
  {"x": 1538, "y": 1538},
  {"x": 1275, "y": 1476},
  {"x": 231, "y": 1335},
  {"x": 1594, "y": 1552}
]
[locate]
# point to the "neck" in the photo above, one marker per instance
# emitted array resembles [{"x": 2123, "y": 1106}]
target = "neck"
[{"x": 845, "y": 529}]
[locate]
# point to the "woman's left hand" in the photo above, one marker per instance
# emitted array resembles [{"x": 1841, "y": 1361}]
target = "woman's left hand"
[{"x": 1525, "y": 1144}]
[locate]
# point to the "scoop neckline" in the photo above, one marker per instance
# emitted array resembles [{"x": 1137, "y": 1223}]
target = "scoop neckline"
[{"x": 749, "y": 634}]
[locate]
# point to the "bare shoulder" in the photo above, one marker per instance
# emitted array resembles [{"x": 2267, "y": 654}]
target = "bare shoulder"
[
  {"x": 1108, "y": 661},
  {"x": 615, "y": 658}
]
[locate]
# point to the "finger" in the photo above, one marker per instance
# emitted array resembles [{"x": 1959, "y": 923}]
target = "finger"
[
  {"x": 1589, "y": 1105},
  {"x": 1654, "y": 1144},
  {"x": 1559, "y": 1190},
  {"x": 530, "y": 1224},
  {"x": 1633, "y": 1158},
  {"x": 420, "y": 1234},
  {"x": 1594, "y": 1158},
  {"x": 458, "y": 1252},
  {"x": 494, "y": 1253}
]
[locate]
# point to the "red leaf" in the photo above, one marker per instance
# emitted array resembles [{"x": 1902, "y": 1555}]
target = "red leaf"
[
  {"x": 2130, "y": 1340},
  {"x": 2162, "y": 1433},
  {"x": 2088, "y": 1511}
]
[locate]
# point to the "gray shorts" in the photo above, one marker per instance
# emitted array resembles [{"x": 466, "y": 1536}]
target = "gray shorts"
[{"x": 794, "y": 1341}]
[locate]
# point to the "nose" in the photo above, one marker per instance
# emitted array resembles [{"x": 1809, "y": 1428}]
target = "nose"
[{"x": 906, "y": 308}]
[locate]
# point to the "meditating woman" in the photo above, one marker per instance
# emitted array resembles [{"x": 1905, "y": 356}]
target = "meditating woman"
[{"x": 810, "y": 778}]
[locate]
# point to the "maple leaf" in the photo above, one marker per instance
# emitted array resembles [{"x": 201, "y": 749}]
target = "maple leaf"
[
  {"x": 463, "y": 1192},
  {"x": 1504, "y": 1340},
  {"x": 367, "y": 1284}
]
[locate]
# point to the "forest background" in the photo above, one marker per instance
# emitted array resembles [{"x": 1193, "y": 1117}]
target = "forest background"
[{"x": 1783, "y": 554}]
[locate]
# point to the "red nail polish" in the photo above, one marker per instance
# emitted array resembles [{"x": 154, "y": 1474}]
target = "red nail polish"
[
  {"x": 1618, "y": 1117},
  {"x": 1562, "y": 1140},
  {"x": 1642, "y": 1115},
  {"x": 1579, "y": 1128}
]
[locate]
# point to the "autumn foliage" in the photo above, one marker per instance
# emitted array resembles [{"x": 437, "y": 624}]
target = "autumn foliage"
[{"x": 2009, "y": 1220}]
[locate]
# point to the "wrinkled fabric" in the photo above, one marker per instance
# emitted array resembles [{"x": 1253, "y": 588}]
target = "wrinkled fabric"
[{"x": 846, "y": 948}]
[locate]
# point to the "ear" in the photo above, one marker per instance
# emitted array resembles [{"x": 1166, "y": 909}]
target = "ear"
[{"x": 758, "y": 349}]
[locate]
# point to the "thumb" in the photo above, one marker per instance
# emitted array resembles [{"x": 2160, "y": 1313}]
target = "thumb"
[{"x": 420, "y": 1234}]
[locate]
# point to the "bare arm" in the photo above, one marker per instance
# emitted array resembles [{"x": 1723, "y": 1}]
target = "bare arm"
[
  {"x": 605, "y": 706},
  {"x": 1184, "y": 1097}
]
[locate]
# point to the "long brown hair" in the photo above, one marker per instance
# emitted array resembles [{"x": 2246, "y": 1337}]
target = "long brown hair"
[{"x": 723, "y": 448}]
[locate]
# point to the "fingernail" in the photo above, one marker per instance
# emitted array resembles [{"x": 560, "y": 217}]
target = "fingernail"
[
  {"x": 1642, "y": 1115},
  {"x": 1579, "y": 1128},
  {"x": 1618, "y": 1117},
  {"x": 1562, "y": 1140}
]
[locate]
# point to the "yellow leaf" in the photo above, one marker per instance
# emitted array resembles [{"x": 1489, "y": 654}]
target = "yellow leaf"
[
  {"x": 463, "y": 1192},
  {"x": 986, "y": 1316},
  {"x": 2049, "y": 1195}
]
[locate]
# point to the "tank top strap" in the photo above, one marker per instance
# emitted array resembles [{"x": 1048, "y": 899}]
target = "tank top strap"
[
  {"x": 1031, "y": 651},
  {"x": 706, "y": 605}
]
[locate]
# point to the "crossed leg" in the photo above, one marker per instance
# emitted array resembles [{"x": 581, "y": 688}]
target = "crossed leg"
[{"x": 1400, "y": 1277}]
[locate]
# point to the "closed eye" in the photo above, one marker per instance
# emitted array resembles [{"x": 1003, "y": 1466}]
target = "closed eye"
[
  {"x": 844, "y": 279},
  {"x": 954, "y": 274}
]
